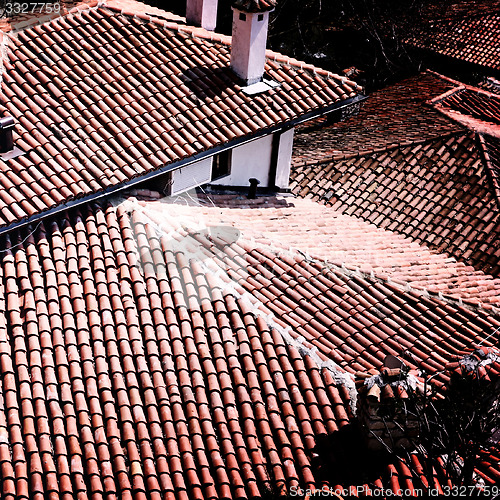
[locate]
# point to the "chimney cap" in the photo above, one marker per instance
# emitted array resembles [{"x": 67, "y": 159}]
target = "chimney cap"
[
  {"x": 6, "y": 122},
  {"x": 252, "y": 6}
]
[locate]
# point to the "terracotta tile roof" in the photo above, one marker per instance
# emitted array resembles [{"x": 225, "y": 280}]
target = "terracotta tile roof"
[
  {"x": 144, "y": 359},
  {"x": 437, "y": 192},
  {"x": 472, "y": 38},
  {"x": 391, "y": 116},
  {"x": 478, "y": 110},
  {"x": 102, "y": 97},
  {"x": 340, "y": 239},
  {"x": 280, "y": 287},
  {"x": 474, "y": 108},
  {"x": 457, "y": 9},
  {"x": 30, "y": 14},
  {"x": 458, "y": 212},
  {"x": 490, "y": 84}
]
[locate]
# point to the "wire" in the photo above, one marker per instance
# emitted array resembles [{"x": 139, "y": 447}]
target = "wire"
[
  {"x": 490, "y": 335},
  {"x": 21, "y": 242}
]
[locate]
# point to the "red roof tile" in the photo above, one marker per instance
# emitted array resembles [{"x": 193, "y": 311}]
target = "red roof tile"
[
  {"x": 491, "y": 151},
  {"x": 153, "y": 360},
  {"x": 38, "y": 13},
  {"x": 457, "y": 9},
  {"x": 478, "y": 110},
  {"x": 472, "y": 37},
  {"x": 101, "y": 98},
  {"x": 439, "y": 187}
]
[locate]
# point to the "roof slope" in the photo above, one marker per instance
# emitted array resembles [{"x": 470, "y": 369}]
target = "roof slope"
[
  {"x": 472, "y": 38},
  {"x": 440, "y": 186},
  {"x": 457, "y": 9},
  {"x": 153, "y": 360},
  {"x": 101, "y": 98},
  {"x": 491, "y": 150},
  {"x": 437, "y": 192},
  {"x": 391, "y": 116},
  {"x": 478, "y": 110},
  {"x": 41, "y": 14},
  {"x": 324, "y": 233}
]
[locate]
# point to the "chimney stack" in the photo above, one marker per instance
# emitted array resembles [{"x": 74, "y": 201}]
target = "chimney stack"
[
  {"x": 6, "y": 140},
  {"x": 385, "y": 406},
  {"x": 202, "y": 13},
  {"x": 248, "y": 47}
]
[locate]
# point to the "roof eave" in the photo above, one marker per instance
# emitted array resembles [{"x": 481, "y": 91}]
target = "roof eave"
[{"x": 338, "y": 106}]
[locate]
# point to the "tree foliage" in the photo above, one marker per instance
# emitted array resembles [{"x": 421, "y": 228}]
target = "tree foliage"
[
  {"x": 454, "y": 428},
  {"x": 367, "y": 34}
]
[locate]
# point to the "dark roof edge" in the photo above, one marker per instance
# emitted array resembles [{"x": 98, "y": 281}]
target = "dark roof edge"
[{"x": 181, "y": 163}]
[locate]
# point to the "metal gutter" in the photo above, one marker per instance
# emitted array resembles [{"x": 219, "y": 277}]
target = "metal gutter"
[{"x": 181, "y": 163}]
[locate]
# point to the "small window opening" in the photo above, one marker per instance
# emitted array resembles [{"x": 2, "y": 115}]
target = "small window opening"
[
  {"x": 243, "y": 17},
  {"x": 260, "y": 17},
  {"x": 221, "y": 165}
]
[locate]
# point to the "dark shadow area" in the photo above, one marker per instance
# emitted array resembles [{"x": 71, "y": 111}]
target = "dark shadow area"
[
  {"x": 208, "y": 83},
  {"x": 343, "y": 458}
]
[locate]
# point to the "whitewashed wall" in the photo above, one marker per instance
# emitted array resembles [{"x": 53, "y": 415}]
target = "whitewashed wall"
[
  {"x": 284, "y": 159},
  {"x": 252, "y": 159}
]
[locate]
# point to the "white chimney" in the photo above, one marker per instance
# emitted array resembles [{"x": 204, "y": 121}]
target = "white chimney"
[
  {"x": 248, "y": 47},
  {"x": 202, "y": 13}
]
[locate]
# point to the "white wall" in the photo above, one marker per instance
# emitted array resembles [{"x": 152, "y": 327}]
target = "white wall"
[
  {"x": 252, "y": 159},
  {"x": 192, "y": 175},
  {"x": 284, "y": 159}
]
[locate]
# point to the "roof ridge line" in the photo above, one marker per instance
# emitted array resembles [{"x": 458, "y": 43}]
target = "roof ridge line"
[
  {"x": 214, "y": 36},
  {"x": 407, "y": 287},
  {"x": 142, "y": 15},
  {"x": 490, "y": 169},
  {"x": 390, "y": 147},
  {"x": 427, "y": 292},
  {"x": 460, "y": 87},
  {"x": 432, "y": 102},
  {"x": 444, "y": 77},
  {"x": 468, "y": 121}
]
